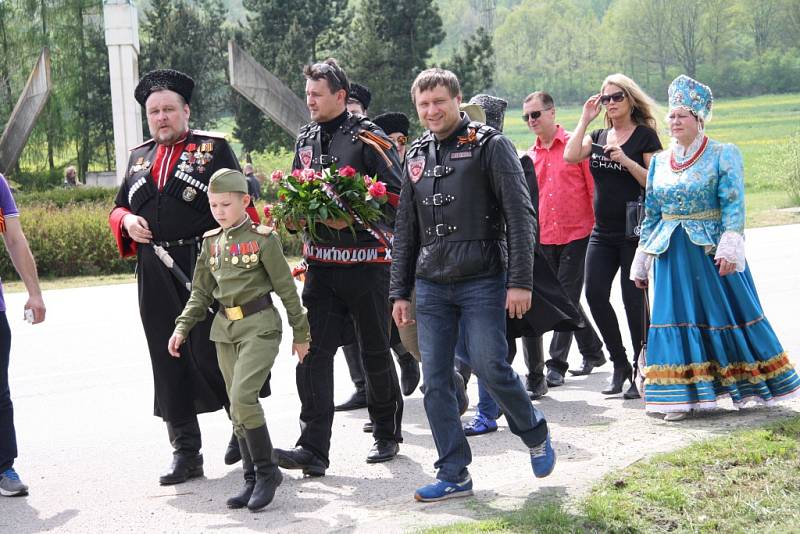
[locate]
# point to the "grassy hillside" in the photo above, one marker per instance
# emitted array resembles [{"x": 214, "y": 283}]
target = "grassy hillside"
[{"x": 760, "y": 126}]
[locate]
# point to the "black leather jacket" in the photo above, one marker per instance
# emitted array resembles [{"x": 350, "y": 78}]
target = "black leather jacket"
[{"x": 446, "y": 260}]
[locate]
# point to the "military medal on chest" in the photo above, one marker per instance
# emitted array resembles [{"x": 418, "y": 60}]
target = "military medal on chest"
[
  {"x": 245, "y": 248},
  {"x": 214, "y": 259},
  {"x": 234, "y": 250},
  {"x": 254, "y": 251}
]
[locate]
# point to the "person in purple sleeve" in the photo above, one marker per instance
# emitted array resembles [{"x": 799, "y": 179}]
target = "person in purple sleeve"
[{"x": 20, "y": 252}]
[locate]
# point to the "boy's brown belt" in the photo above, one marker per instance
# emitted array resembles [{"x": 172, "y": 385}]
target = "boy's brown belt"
[{"x": 236, "y": 313}]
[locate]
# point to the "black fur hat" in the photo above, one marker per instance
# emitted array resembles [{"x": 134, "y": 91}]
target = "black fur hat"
[
  {"x": 495, "y": 109},
  {"x": 166, "y": 78},
  {"x": 360, "y": 93},
  {"x": 393, "y": 122}
]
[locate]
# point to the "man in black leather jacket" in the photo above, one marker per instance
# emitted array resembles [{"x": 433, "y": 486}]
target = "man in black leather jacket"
[{"x": 463, "y": 238}]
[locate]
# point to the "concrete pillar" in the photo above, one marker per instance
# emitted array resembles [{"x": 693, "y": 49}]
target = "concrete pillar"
[{"x": 122, "y": 38}]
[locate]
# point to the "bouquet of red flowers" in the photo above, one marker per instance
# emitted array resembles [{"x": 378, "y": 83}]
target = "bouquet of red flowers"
[{"x": 330, "y": 195}]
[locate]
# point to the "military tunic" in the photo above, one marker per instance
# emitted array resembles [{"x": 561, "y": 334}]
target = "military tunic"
[
  {"x": 171, "y": 197},
  {"x": 239, "y": 265}
]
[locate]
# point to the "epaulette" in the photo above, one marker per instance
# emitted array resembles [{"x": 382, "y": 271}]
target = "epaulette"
[
  {"x": 419, "y": 143},
  {"x": 306, "y": 132},
  {"x": 261, "y": 229},
  {"x": 213, "y": 231},
  {"x": 204, "y": 133},
  {"x": 143, "y": 144},
  {"x": 482, "y": 132}
]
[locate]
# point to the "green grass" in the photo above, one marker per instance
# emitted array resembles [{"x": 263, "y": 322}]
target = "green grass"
[
  {"x": 744, "y": 482},
  {"x": 16, "y": 286},
  {"x": 760, "y": 126}
]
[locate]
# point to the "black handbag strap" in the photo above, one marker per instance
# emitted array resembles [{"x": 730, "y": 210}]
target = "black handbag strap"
[{"x": 645, "y": 328}]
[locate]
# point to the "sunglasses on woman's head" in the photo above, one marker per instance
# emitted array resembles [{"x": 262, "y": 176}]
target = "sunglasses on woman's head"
[
  {"x": 533, "y": 115},
  {"x": 616, "y": 97}
]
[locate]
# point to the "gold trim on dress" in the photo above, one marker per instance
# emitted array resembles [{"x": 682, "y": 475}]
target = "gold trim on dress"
[
  {"x": 693, "y": 373},
  {"x": 707, "y": 215}
]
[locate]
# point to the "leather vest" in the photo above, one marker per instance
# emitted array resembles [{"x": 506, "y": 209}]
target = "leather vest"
[
  {"x": 345, "y": 147},
  {"x": 455, "y": 201}
]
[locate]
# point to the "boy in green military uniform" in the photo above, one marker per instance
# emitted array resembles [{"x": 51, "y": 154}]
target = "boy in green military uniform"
[{"x": 239, "y": 266}]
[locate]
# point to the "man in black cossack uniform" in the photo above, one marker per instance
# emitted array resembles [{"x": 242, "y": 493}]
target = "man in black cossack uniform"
[
  {"x": 163, "y": 202},
  {"x": 337, "y": 289}
]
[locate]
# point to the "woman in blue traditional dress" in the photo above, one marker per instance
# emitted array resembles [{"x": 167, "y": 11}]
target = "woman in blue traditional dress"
[{"x": 708, "y": 336}]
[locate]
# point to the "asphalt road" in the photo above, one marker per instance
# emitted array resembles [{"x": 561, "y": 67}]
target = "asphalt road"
[{"x": 91, "y": 451}]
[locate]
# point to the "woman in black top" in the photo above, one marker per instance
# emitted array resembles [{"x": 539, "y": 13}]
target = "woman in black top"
[{"x": 629, "y": 140}]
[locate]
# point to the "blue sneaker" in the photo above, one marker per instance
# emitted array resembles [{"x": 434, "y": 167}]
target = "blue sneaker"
[
  {"x": 441, "y": 490},
  {"x": 543, "y": 458},
  {"x": 480, "y": 424},
  {"x": 11, "y": 485}
]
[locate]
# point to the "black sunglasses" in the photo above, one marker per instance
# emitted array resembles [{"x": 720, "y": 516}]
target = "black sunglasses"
[
  {"x": 325, "y": 69},
  {"x": 616, "y": 97},
  {"x": 534, "y": 114}
]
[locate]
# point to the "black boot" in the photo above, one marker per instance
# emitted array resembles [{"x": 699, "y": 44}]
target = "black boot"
[
  {"x": 409, "y": 373},
  {"x": 233, "y": 453},
  {"x": 183, "y": 468},
  {"x": 268, "y": 476},
  {"x": 632, "y": 393},
  {"x": 461, "y": 392},
  {"x": 300, "y": 458},
  {"x": 241, "y": 500},
  {"x": 621, "y": 374},
  {"x": 187, "y": 462}
]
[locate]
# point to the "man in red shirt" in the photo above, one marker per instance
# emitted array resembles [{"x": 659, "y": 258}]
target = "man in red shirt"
[{"x": 566, "y": 218}]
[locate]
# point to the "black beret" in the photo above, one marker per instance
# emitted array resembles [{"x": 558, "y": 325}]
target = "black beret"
[
  {"x": 166, "y": 78},
  {"x": 495, "y": 109},
  {"x": 360, "y": 93},
  {"x": 393, "y": 122}
]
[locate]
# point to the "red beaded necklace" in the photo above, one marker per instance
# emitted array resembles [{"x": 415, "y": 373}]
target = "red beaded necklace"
[{"x": 678, "y": 167}]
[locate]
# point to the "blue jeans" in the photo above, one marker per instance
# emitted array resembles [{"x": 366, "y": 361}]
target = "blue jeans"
[{"x": 478, "y": 307}]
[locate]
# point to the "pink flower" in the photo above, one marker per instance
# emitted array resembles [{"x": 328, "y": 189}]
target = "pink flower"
[
  {"x": 347, "y": 170},
  {"x": 297, "y": 173},
  {"x": 277, "y": 176},
  {"x": 308, "y": 175},
  {"x": 377, "y": 190},
  {"x": 367, "y": 181},
  {"x": 268, "y": 211}
]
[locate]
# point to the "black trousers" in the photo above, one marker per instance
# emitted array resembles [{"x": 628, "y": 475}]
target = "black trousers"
[
  {"x": 568, "y": 262},
  {"x": 8, "y": 437},
  {"x": 332, "y": 295},
  {"x": 352, "y": 354},
  {"x": 607, "y": 254}
]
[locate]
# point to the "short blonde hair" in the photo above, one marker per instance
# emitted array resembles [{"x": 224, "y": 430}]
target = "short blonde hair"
[{"x": 643, "y": 107}]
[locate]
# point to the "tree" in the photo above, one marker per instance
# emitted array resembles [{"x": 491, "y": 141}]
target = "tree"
[
  {"x": 389, "y": 42},
  {"x": 688, "y": 34},
  {"x": 283, "y": 35},
  {"x": 761, "y": 19},
  {"x": 190, "y": 37},
  {"x": 474, "y": 64}
]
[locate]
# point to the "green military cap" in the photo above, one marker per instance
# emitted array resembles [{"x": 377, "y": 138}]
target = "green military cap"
[
  {"x": 227, "y": 181},
  {"x": 474, "y": 112}
]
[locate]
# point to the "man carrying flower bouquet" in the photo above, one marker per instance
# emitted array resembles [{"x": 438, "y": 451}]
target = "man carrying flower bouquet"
[{"x": 343, "y": 193}]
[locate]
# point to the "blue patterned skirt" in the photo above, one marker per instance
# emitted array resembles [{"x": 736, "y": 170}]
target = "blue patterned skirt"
[{"x": 709, "y": 338}]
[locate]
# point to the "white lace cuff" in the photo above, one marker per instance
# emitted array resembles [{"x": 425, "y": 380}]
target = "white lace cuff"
[
  {"x": 731, "y": 248},
  {"x": 640, "y": 267}
]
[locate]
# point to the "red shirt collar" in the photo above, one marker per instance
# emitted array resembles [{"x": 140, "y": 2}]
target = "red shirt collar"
[{"x": 561, "y": 135}]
